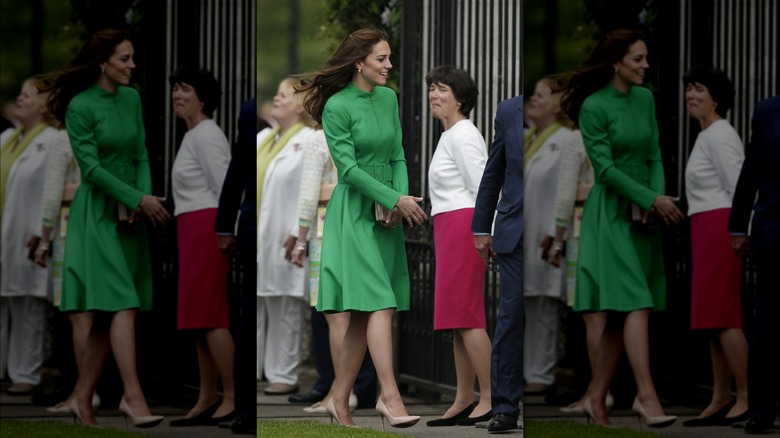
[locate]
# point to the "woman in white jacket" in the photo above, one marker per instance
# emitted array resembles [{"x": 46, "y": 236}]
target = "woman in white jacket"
[
  {"x": 281, "y": 290},
  {"x": 543, "y": 283},
  {"x": 24, "y": 286}
]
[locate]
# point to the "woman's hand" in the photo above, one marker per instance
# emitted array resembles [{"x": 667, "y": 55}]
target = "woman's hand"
[
  {"x": 152, "y": 207},
  {"x": 297, "y": 253},
  {"x": 666, "y": 208},
  {"x": 546, "y": 245},
  {"x": 409, "y": 209},
  {"x": 32, "y": 245},
  {"x": 554, "y": 253},
  {"x": 289, "y": 245},
  {"x": 42, "y": 253},
  {"x": 393, "y": 218}
]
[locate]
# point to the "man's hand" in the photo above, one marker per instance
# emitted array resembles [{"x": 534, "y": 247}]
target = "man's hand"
[
  {"x": 740, "y": 245},
  {"x": 483, "y": 244},
  {"x": 227, "y": 244}
]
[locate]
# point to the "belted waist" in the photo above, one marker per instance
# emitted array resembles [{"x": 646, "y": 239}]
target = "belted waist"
[
  {"x": 380, "y": 172},
  {"x": 639, "y": 172}
]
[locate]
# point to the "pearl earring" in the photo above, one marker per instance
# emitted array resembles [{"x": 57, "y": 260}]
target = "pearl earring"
[{"x": 360, "y": 70}]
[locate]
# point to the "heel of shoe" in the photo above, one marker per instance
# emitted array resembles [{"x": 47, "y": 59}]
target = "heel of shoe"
[
  {"x": 382, "y": 420},
  {"x": 125, "y": 417}
]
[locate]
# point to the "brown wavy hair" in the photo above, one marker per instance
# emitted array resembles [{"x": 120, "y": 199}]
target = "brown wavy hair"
[
  {"x": 84, "y": 69},
  {"x": 597, "y": 69},
  {"x": 338, "y": 70}
]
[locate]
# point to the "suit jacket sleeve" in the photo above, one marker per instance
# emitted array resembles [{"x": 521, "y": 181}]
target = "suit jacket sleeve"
[
  {"x": 492, "y": 180},
  {"x": 747, "y": 184}
]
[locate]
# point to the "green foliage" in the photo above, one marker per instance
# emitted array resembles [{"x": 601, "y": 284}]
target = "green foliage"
[
  {"x": 321, "y": 24},
  {"x": 313, "y": 429},
  {"x": 346, "y": 16}
]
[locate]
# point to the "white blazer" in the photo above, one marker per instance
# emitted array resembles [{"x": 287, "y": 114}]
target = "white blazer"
[
  {"x": 20, "y": 276},
  {"x": 277, "y": 218},
  {"x": 541, "y": 182}
]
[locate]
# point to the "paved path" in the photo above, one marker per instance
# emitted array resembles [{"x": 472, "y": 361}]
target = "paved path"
[{"x": 277, "y": 407}]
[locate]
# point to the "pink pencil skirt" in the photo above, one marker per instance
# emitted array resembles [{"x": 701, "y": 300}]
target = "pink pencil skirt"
[
  {"x": 202, "y": 273},
  {"x": 717, "y": 273},
  {"x": 459, "y": 300}
]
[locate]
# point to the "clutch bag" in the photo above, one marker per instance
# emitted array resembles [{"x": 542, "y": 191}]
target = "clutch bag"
[{"x": 380, "y": 212}]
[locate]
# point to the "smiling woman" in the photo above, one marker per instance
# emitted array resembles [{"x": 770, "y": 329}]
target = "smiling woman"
[{"x": 107, "y": 271}]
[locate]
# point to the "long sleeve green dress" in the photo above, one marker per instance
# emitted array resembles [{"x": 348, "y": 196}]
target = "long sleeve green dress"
[
  {"x": 620, "y": 265},
  {"x": 363, "y": 265},
  {"x": 107, "y": 266}
]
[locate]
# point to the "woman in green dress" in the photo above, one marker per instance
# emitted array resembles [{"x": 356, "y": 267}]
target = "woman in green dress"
[
  {"x": 620, "y": 270},
  {"x": 107, "y": 271},
  {"x": 363, "y": 267}
]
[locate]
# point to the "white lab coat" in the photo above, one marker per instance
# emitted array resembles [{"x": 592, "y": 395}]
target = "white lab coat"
[
  {"x": 541, "y": 181},
  {"x": 20, "y": 276},
  {"x": 278, "y": 218}
]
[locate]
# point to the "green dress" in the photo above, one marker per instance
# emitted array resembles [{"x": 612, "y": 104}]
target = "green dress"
[
  {"x": 106, "y": 266},
  {"x": 620, "y": 266},
  {"x": 363, "y": 265}
]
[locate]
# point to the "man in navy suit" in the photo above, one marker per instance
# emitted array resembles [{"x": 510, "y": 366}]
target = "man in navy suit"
[
  {"x": 239, "y": 193},
  {"x": 503, "y": 176},
  {"x": 761, "y": 173}
]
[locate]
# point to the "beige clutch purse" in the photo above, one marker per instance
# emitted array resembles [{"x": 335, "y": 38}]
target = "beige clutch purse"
[{"x": 380, "y": 212}]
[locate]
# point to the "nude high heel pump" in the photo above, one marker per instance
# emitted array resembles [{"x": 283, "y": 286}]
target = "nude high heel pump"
[
  {"x": 145, "y": 421},
  {"x": 330, "y": 408},
  {"x": 658, "y": 421},
  {"x": 400, "y": 422},
  {"x": 73, "y": 407}
]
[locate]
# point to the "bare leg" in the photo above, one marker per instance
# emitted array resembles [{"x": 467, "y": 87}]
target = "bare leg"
[
  {"x": 81, "y": 323},
  {"x": 594, "y": 328},
  {"x": 353, "y": 350},
  {"x": 207, "y": 395},
  {"x": 609, "y": 351},
  {"x": 337, "y": 328},
  {"x": 464, "y": 372},
  {"x": 94, "y": 358},
  {"x": 123, "y": 346},
  {"x": 221, "y": 351},
  {"x": 478, "y": 348},
  {"x": 735, "y": 351},
  {"x": 637, "y": 343},
  {"x": 380, "y": 344}
]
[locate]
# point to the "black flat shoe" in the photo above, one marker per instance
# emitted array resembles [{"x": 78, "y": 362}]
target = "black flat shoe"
[
  {"x": 450, "y": 421},
  {"x": 308, "y": 398},
  {"x": 198, "y": 420},
  {"x": 470, "y": 421},
  {"x": 502, "y": 422},
  {"x": 710, "y": 420},
  {"x": 213, "y": 421},
  {"x": 244, "y": 425},
  {"x": 727, "y": 421}
]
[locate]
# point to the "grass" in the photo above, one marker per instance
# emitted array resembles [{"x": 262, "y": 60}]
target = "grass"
[
  {"x": 533, "y": 428},
  {"x": 57, "y": 429}
]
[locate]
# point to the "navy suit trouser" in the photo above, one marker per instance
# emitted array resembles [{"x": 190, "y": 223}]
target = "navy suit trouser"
[
  {"x": 763, "y": 363},
  {"x": 506, "y": 367},
  {"x": 246, "y": 341}
]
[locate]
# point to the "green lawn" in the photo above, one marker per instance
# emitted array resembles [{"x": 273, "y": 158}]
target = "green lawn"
[{"x": 57, "y": 429}]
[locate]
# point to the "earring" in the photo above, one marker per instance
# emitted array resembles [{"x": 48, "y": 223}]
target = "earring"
[{"x": 360, "y": 70}]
